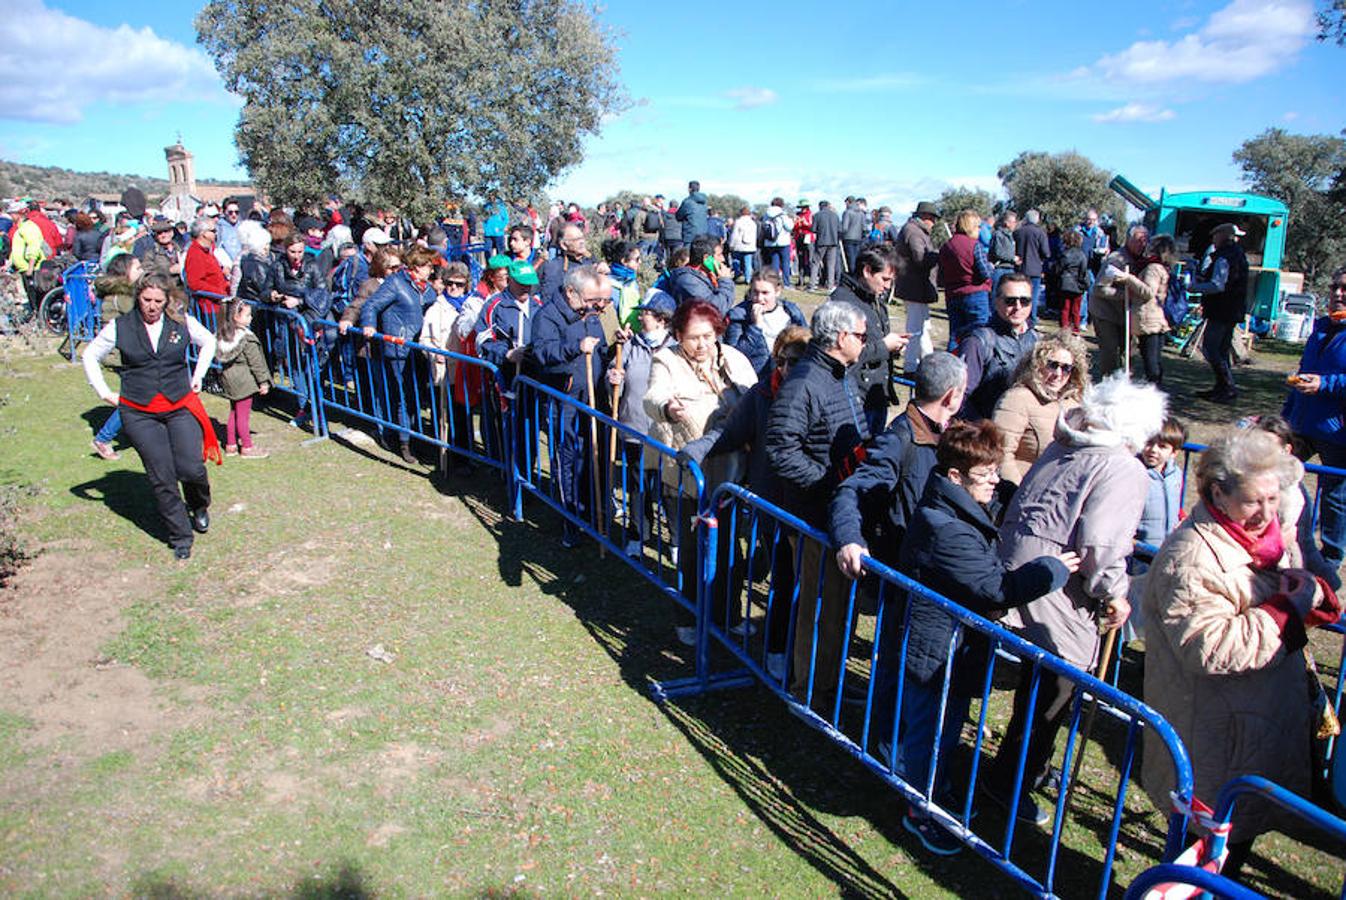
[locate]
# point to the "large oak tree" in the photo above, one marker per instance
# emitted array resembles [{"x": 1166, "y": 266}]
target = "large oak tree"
[{"x": 410, "y": 102}]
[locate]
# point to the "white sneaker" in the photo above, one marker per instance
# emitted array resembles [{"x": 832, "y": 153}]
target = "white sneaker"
[
  {"x": 775, "y": 665},
  {"x": 687, "y": 634},
  {"x": 673, "y": 554}
]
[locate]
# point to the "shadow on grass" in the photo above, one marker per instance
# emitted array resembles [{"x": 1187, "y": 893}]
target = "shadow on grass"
[
  {"x": 128, "y": 494},
  {"x": 345, "y": 882}
]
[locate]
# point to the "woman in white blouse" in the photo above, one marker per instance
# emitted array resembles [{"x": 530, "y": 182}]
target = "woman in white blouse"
[{"x": 160, "y": 403}]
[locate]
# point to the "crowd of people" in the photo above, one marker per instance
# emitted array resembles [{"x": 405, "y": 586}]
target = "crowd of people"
[{"x": 1015, "y": 481}]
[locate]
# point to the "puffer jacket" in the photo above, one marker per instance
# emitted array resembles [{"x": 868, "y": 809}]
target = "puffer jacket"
[
  {"x": 556, "y": 347},
  {"x": 308, "y": 284},
  {"x": 873, "y": 371},
  {"x": 397, "y": 310},
  {"x": 746, "y": 336},
  {"x": 1085, "y": 493},
  {"x": 256, "y": 279},
  {"x": 1028, "y": 423},
  {"x": 243, "y": 368},
  {"x": 916, "y": 261},
  {"x": 815, "y": 433},
  {"x": 693, "y": 215},
  {"x": 1224, "y": 664},
  {"x": 1163, "y": 504},
  {"x": 1319, "y": 416},
  {"x": 672, "y": 375},
  {"x": 1147, "y": 315},
  {"x": 689, "y": 283},
  {"x": 1073, "y": 268},
  {"x": 87, "y": 245},
  {"x": 950, "y": 548}
]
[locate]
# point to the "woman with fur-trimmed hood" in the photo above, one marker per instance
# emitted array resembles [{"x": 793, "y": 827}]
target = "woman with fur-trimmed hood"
[{"x": 1085, "y": 493}]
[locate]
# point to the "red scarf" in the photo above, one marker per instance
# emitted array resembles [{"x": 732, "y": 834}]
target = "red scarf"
[
  {"x": 190, "y": 401},
  {"x": 1266, "y": 548}
]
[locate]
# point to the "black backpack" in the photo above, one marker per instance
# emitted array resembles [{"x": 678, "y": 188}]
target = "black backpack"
[
  {"x": 769, "y": 230},
  {"x": 654, "y": 221}
]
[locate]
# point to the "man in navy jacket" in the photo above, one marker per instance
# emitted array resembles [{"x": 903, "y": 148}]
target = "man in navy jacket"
[{"x": 570, "y": 350}]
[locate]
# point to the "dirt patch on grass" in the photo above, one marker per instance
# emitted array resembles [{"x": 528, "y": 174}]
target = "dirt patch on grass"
[{"x": 55, "y": 615}]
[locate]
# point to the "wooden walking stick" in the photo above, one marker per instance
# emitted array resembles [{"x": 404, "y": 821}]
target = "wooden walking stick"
[
  {"x": 593, "y": 452},
  {"x": 612, "y": 433},
  {"x": 1109, "y": 640}
]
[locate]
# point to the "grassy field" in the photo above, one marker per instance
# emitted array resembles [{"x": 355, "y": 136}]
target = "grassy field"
[{"x": 230, "y": 726}]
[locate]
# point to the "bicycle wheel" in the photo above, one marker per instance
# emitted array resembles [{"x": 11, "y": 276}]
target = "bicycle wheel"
[{"x": 51, "y": 311}]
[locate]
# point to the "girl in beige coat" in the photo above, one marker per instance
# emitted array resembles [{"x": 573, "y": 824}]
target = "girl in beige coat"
[
  {"x": 1227, "y": 606},
  {"x": 1148, "y": 323}
]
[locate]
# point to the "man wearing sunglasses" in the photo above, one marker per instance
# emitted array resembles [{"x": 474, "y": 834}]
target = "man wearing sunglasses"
[
  {"x": 226, "y": 231},
  {"x": 993, "y": 351}
]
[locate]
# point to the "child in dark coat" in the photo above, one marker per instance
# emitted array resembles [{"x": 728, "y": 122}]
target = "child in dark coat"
[{"x": 950, "y": 547}]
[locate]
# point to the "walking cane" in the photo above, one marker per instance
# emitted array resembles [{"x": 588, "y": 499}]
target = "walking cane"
[
  {"x": 593, "y": 451},
  {"x": 1108, "y": 641},
  {"x": 443, "y": 428},
  {"x": 1126, "y": 327},
  {"x": 616, "y": 405}
]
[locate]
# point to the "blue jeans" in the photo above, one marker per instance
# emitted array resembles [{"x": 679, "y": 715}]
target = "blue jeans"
[
  {"x": 778, "y": 257},
  {"x": 495, "y": 243},
  {"x": 1332, "y": 508},
  {"x": 743, "y": 260},
  {"x": 1036, "y": 281},
  {"x": 966, "y": 312},
  {"x": 111, "y": 428},
  {"x": 1084, "y": 301},
  {"x": 390, "y": 396},
  {"x": 916, "y": 740}
]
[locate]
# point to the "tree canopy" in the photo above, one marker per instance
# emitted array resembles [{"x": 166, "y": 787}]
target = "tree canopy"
[
  {"x": 1305, "y": 172},
  {"x": 1062, "y": 186},
  {"x": 408, "y": 103},
  {"x": 1332, "y": 21},
  {"x": 956, "y": 199}
]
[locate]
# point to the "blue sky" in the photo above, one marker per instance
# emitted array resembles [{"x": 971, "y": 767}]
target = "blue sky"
[{"x": 895, "y": 101}]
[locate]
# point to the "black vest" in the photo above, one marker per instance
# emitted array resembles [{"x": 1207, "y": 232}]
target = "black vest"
[
  {"x": 147, "y": 370},
  {"x": 1231, "y": 304}
]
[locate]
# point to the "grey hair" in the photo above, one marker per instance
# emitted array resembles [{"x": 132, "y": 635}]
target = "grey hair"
[
  {"x": 202, "y": 224},
  {"x": 1129, "y": 413},
  {"x": 1242, "y": 454},
  {"x": 1138, "y": 226},
  {"x": 254, "y": 237},
  {"x": 938, "y": 374},
  {"x": 1032, "y": 217},
  {"x": 580, "y": 277},
  {"x": 831, "y": 319}
]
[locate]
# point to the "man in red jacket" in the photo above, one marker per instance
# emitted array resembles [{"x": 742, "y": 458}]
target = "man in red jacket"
[{"x": 203, "y": 271}]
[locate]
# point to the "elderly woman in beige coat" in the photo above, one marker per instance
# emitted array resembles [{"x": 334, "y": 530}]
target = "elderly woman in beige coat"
[
  {"x": 1227, "y": 607},
  {"x": 692, "y": 384},
  {"x": 1051, "y": 379},
  {"x": 1085, "y": 493}
]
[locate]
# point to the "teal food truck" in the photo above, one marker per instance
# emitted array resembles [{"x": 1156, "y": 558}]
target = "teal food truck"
[{"x": 1191, "y": 216}]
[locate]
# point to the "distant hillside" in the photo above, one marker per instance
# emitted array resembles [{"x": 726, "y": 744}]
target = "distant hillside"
[{"x": 48, "y": 182}]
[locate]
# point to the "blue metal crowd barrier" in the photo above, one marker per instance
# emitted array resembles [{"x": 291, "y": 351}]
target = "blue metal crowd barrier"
[
  {"x": 747, "y": 523},
  {"x": 1214, "y": 847},
  {"x": 288, "y": 342},
  {"x": 411, "y": 395},
  {"x": 1171, "y": 874},
  {"x": 83, "y": 311},
  {"x": 643, "y": 505}
]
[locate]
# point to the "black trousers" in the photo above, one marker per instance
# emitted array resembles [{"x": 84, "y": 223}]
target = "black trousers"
[
  {"x": 1152, "y": 357},
  {"x": 169, "y": 445},
  {"x": 1049, "y": 714}
]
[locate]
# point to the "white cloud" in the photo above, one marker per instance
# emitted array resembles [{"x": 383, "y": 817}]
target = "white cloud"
[
  {"x": 1290, "y": 116},
  {"x": 1240, "y": 42},
  {"x": 1135, "y": 112},
  {"x": 83, "y": 64},
  {"x": 749, "y": 97}
]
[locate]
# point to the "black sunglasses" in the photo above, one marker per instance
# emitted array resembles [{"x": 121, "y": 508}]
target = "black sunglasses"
[
  {"x": 1054, "y": 366},
  {"x": 1017, "y": 301}
]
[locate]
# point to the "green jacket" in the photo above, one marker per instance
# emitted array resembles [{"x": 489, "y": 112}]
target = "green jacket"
[
  {"x": 243, "y": 368},
  {"x": 29, "y": 250}
]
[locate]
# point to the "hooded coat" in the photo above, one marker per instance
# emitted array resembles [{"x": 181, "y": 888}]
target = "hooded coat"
[
  {"x": 1085, "y": 493},
  {"x": 694, "y": 216}
]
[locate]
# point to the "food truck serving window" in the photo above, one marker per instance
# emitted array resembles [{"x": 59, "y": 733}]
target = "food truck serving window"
[{"x": 1192, "y": 232}]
